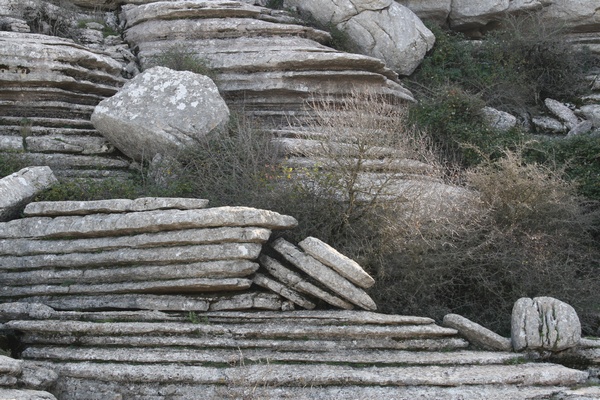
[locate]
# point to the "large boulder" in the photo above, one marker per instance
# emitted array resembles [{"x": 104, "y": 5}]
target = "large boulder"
[
  {"x": 544, "y": 323},
  {"x": 378, "y": 28},
  {"x": 161, "y": 111},
  {"x": 430, "y": 10},
  {"x": 578, "y": 16}
]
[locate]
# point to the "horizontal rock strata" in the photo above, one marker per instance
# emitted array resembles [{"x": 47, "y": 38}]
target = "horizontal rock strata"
[
  {"x": 300, "y": 353},
  {"x": 148, "y": 253}
]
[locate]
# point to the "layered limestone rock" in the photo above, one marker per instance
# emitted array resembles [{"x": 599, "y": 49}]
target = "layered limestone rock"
[
  {"x": 128, "y": 254},
  {"x": 161, "y": 111},
  {"x": 299, "y": 354},
  {"x": 267, "y": 63},
  {"x": 49, "y": 87},
  {"x": 18, "y": 189}
]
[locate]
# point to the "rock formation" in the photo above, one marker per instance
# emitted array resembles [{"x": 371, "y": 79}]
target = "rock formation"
[{"x": 20, "y": 188}]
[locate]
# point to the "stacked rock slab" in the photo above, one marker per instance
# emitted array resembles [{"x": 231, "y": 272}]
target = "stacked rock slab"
[
  {"x": 299, "y": 354},
  {"x": 18, "y": 380},
  {"x": 49, "y": 87},
  {"x": 264, "y": 60},
  {"x": 149, "y": 253}
]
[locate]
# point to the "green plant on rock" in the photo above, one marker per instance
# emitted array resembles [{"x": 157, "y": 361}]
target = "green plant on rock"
[{"x": 180, "y": 58}]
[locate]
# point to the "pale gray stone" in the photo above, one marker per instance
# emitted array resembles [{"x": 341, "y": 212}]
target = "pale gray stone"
[
  {"x": 124, "y": 302},
  {"x": 433, "y": 10},
  {"x": 156, "y": 256},
  {"x": 323, "y": 274},
  {"x": 582, "y": 127},
  {"x": 24, "y": 247},
  {"x": 343, "y": 265},
  {"x": 244, "y": 301},
  {"x": 38, "y": 378},
  {"x": 25, "y": 394},
  {"x": 592, "y": 113},
  {"x": 562, "y": 112},
  {"x": 8, "y": 380},
  {"x": 477, "y": 334},
  {"x": 69, "y": 144},
  {"x": 17, "y": 189},
  {"x": 59, "y": 208},
  {"x": 544, "y": 323},
  {"x": 10, "y": 366},
  {"x": 296, "y": 282},
  {"x": 580, "y": 15},
  {"x": 10, "y": 311},
  {"x": 143, "y": 222},
  {"x": 548, "y": 125},
  {"x": 500, "y": 120},
  {"x": 282, "y": 290},
  {"x": 166, "y": 111}
]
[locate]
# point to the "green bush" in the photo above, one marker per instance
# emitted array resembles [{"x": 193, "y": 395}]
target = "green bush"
[
  {"x": 87, "y": 189},
  {"x": 180, "y": 58},
  {"x": 10, "y": 163}
]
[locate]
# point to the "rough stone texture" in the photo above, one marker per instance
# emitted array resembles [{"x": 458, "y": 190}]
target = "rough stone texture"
[
  {"x": 20, "y": 394},
  {"x": 582, "y": 127},
  {"x": 296, "y": 282},
  {"x": 10, "y": 366},
  {"x": 548, "y": 125},
  {"x": 9, "y": 311},
  {"x": 432, "y": 10},
  {"x": 161, "y": 111},
  {"x": 592, "y": 113},
  {"x": 284, "y": 291},
  {"x": 54, "y": 208},
  {"x": 143, "y": 222},
  {"x": 37, "y": 378},
  {"x": 562, "y": 112},
  {"x": 578, "y": 16},
  {"x": 324, "y": 275},
  {"x": 477, "y": 334},
  {"x": 382, "y": 29},
  {"x": 500, "y": 120},
  {"x": 18, "y": 189},
  {"x": 544, "y": 323},
  {"x": 343, "y": 265}
]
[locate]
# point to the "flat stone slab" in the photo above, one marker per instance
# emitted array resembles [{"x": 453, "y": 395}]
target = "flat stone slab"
[
  {"x": 21, "y": 187},
  {"x": 477, "y": 334},
  {"x": 23, "y": 247},
  {"x": 343, "y": 265},
  {"x": 323, "y": 274},
  {"x": 210, "y": 269},
  {"x": 10, "y": 366},
  {"x": 296, "y": 282},
  {"x": 156, "y": 256},
  {"x": 25, "y": 394},
  {"x": 283, "y": 290},
  {"x": 56, "y": 208},
  {"x": 143, "y": 222},
  {"x": 317, "y": 375}
]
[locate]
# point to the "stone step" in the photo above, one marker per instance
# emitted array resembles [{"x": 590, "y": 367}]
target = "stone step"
[
  {"x": 149, "y": 355},
  {"x": 60, "y": 161},
  {"x": 36, "y": 133},
  {"x": 153, "y": 256},
  {"x": 82, "y": 389},
  {"x": 196, "y": 342},
  {"x": 48, "y": 122},
  {"x": 243, "y": 331},
  {"x": 210, "y": 269},
  {"x": 529, "y": 374},
  {"x": 22, "y": 247},
  {"x": 143, "y": 222}
]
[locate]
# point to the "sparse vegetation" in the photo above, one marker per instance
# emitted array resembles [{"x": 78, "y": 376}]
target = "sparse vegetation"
[{"x": 180, "y": 58}]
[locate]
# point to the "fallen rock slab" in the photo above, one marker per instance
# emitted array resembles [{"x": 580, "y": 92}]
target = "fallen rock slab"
[
  {"x": 323, "y": 274},
  {"x": 283, "y": 290},
  {"x": 477, "y": 334},
  {"x": 17, "y": 189},
  {"x": 343, "y": 265}
]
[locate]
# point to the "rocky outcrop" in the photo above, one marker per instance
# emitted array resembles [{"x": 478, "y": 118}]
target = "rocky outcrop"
[
  {"x": 383, "y": 29},
  {"x": 263, "y": 60},
  {"x": 477, "y": 334},
  {"x": 161, "y": 111},
  {"x": 49, "y": 87},
  {"x": 23, "y": 380},
  {"x": 18, "y": 189}
]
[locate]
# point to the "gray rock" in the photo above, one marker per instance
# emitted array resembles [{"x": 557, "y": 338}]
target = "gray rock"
[
  {"x": 562, "y": 112},
  {"x": 544, "y": 323},
  {"x": 477, "y": 334},
  {"x": 38, "y": 378},
  {"x": 382, "y": 29},
  {"x": 143, "y": 222},
  {"x": 13, "y": 24},
  {"x": 343, "y": 265},
  {"x": 579, "y": 16},
  {"x": 244, "y": 301},
  {"x": 592, "y": 113},
  {"x": 10, "y": 311},
  {"x": 467, "y": 14},
  {"x": 25, "y": 394},
  {"x": 296, "y": 282},
  {"x": 124, "y": 302},
  {"x": 166, "y": 111},
  {"x": 432, "y": 10},
  {"x": 59, "y": 208},
  {"x": 8, "y": 380},
  {"x": 548, "y": 125},
  {"x": 18, "y": 189},
  {"x": 500, "y": 120},
  {"x": 324, "y": 275},
  {"x": 582, "y": 127},
  {"x": 10, "y": 366},
  {"x": 282, "y": 290}
]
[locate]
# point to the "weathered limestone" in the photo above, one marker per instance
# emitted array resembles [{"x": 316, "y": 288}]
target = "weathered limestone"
[
  {"x": 580, "y": 16},
  {"x": 343, "y": 265},
  {"x": 500, "y": 120},
  {"x": 18, "y": 189},
  {"x": 592, "y": 113},
  {"x": 477, "y": 334},
  {"x": 544, "y": 323},
  {"x": 562, "y": 112},
  {"x": 10, "y": 366},
  {"x": 38, "y": 378},
  {"x": 161, "y": 111},
  {"x": 25, "y": 394},
  {"x": 281, "y": 289},
  {"x": 548, "y": 125},
  {"x": 382, "y": 29}
]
